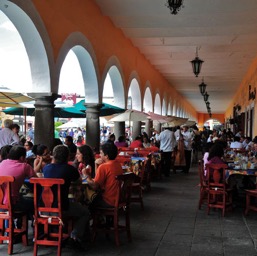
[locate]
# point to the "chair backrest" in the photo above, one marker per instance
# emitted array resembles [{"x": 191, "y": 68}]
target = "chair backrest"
[
  {"x": 45, "y": 201},
  {"x": 216, "y": 175},
  {"x": 5, "y": 192},
  {"x": 201, "y": 172},
  {"x": 124, "y": 189}
]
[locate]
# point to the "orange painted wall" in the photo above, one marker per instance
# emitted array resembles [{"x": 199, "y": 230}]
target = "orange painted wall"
[
  {"x": 61, "y": 18},
  {"x": 202, "y": 118},
  {"x": 242, "y": 95}
]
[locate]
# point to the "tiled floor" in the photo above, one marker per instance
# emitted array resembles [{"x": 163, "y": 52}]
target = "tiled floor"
[{"x": 171, "y": 224}]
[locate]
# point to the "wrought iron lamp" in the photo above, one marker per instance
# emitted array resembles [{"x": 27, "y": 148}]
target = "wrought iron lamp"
[
  {"x": 196, "y": 64},
  {"x": 202, "y": 87},
  {"x": 206, "y": 96},
  {"x": 207, "y": 104},
  {"x": 174, "y": 5}
]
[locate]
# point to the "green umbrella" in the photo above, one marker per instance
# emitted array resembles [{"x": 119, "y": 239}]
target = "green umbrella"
[
  {"x": 106, "y": 109},
  {"x": 58, "y": 112}
]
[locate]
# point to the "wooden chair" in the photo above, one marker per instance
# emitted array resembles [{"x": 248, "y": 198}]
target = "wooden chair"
[
  {"x": 219, "y": 196},
  {"x": 251, "y": 196},
  {"x": 7, "y": 214},
  {"x": 48, "y": 213},
  {"x": 202, "y": 185},
  {"x": 122, "y": 205}
]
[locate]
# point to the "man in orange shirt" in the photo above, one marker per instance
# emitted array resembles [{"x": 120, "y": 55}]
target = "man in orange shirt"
[{"x": 105, "y": 177}]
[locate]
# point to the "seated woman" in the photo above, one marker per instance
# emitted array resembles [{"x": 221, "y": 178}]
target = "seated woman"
[
  {"x": 215, "y": 155},
  {"x": 137, "y": 143},
  {"x": 85, "y": 159},
  {"x": 42, "y": 157},
  {"x": 121, "y": 142}
]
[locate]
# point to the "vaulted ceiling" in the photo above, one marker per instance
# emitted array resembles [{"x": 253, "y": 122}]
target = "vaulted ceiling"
[{"x": 225, "y": 33}]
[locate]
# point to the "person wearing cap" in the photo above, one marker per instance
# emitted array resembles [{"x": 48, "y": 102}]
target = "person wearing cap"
[{"x": 7, "y": 136}]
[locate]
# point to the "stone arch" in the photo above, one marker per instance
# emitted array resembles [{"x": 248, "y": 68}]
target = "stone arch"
[
  {"x": 164, "y": 106},
  {"x": 170, "y": 108},
  {"x": 83, "y": 50},
  {"x": 174, "y": 108},
  {"x": 114, "y": 70},
  {"x": 135, "y": 94},
  {"x": 157, "y": 104},
  {"x": 148, "y": 101},
  {"x": 34, "y": 36}
]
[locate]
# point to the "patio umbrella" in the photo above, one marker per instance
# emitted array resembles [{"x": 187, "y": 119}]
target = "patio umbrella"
[
  {"x": 70, "y": 124},
  {"x": 130, "y": 115},
  {"x": 58, "y": 112},
  {"x": 156, "y": 117},
  {"x": 11, "y": 99},
  {"x": 106, "y": 109}
]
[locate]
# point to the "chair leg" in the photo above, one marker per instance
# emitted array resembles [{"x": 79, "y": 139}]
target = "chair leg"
[
  {"x": 116, "y": 228},
  {"x": 10, "y": 245},
  {"x": 128, "y": 225},
  {"x": 25, "y": 230},
  {"x": 59, "y": 250},
  {"x": 247, "y": 204},
  {"x": 1, "y": 229}
]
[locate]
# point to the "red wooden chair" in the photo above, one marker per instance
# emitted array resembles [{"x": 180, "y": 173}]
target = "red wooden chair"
[
  {"x": 8, "y": 214},
  {"x": 202, "y": 185},
  {"x": 47, "y": 214},
  {"x": 219, "y": 196},
  {"x": 122, "y": 205},
  {"x": 251, "y": 196}
]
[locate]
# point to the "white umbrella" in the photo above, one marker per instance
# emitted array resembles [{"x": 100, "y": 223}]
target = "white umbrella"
[
  {"x": 130, "y": 115},
  {"x": 190, "y": 123},
  {"x": 9, "y": 98},
  {"x": 157, "y": 117},
  {"x": 70, "y": 124},
  {"x": 177, "y": 122}
]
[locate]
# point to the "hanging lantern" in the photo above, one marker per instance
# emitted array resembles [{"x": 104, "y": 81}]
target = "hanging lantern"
[{"x": 196, "y": 64}]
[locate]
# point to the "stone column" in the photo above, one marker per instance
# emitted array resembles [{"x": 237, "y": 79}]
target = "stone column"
[
  {"x": 93, "y": 125},
  {"x": 148, "y": 127},
  {"x": 119, "y": 129},
  {"x": 44, "y": 119},
  {"x": 136, "y": 130}
]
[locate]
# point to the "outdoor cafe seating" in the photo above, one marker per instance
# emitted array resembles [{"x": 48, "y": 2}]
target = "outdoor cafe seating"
[
  {"x": 122, "y": 205},
  {"x": 48, "y": 214},
  {"x": 9, "y": 230}
]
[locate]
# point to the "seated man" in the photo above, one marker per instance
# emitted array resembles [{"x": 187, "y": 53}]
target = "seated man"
[
  {"x": 59, "y": 168},
  {"x": 16, "y": 166},
  {"x": 236, "y": 143},
  {"x": 105, "y": 176}
]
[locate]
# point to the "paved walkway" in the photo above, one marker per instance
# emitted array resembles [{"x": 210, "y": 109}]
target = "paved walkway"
[{"x": 171, "y": 224}]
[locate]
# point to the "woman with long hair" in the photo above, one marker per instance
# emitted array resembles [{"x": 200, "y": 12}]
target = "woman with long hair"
[{"x": 85, "y": 159}]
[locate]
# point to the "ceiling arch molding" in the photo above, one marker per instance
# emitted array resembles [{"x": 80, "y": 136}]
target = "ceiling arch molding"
[
  {"x": 135, "y": 94},
  {"x": 83, "y": 50},
  {"x": 114, "y": 69},
  {"x": 148, "y": 100},
  {"x": 35, "y": 38},
  {"x": 157, "y": 104}
]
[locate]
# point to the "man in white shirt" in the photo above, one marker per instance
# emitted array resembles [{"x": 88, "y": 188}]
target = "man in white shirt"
[
  {"x": 7, "y": 136},
  {"x": 187, "y": 136},
  {"x": 236, "y": 143},
  {"x": 167, "y": 144}
]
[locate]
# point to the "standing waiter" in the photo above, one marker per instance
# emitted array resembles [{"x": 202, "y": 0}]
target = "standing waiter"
[{"x": 167, "y": 144}]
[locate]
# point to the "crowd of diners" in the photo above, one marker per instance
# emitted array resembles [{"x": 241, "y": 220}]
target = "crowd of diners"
[{"x": 70, "y": 162}]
